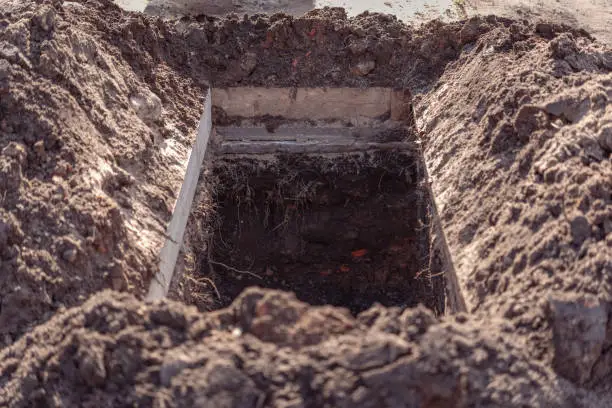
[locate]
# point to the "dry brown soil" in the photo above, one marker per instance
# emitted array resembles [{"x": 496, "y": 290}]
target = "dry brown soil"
[{"x": 97, "y": 108}]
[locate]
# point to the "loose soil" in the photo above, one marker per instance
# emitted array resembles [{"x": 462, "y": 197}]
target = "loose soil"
[
  {"x": 343, "y": 231},
  {"x": 516, "y": 125},
  {"x": 86, "y": 194},
  {"x": 539, "y": 143}
]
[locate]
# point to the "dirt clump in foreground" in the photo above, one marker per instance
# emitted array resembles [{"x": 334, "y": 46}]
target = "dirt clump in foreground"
[
  {"x": 268, "y": 349},
  {"x": 96, "y": 106}
]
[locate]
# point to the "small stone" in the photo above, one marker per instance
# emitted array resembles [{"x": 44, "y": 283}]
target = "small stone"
[
  {"x": 605, "y": 138},
  {"x": 248, "y": 63},
  {"x": 39, "y": 148},
  {"x": 46, "y": 19},
  {"x": 580, "y": 229},
  {"x": 172, "y": 368},
  {"x": 70, "y": 255},
  {"x": 545, "y": 30},
  {"x": 16, "y": 151},
  {"x": 147, "y": 105},
  {"x": 579, "y": 334},
  {"x": 461, "y": 318},
  {"x": 364, "y": 68}
]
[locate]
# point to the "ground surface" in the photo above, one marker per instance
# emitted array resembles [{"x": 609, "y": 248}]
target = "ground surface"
[
  {"x": 517, "y": 133},
  {"x": 594, "y": 16}
]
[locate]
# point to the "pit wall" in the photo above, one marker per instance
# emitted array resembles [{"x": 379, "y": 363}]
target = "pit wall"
[{"x": 354, "y": 107}]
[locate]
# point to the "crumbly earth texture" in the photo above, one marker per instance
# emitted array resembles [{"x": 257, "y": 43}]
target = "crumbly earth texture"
[
  {"x": 93, "y": 134},
  {"x": 268, "y": 349},
  {"x": 97, "y": 108},
  {"x": 518, "y": 139}
]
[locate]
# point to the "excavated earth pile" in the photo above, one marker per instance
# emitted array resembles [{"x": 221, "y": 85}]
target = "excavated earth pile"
[{"x": 98, "y": 109}]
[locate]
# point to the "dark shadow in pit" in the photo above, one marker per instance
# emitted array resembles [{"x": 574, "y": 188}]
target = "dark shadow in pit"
[{"x": 346, "y": 232}]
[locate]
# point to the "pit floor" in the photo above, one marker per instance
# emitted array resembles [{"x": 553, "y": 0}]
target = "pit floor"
[{"x": 347, "y": 231}]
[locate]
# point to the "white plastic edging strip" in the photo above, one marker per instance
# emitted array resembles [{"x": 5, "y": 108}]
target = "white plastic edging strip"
[{"x": 176, "y": 229}]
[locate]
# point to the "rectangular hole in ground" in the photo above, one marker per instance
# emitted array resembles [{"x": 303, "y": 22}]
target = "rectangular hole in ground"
[{"x": 346, "y": 231}]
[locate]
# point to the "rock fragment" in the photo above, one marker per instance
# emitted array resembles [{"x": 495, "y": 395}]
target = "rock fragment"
[
  {"x": 579, "y": 334},
  {"x": 147, "y": 105},
  {"x": 605, "y": 138},
  {"x": 364, "y": 68},
  {"x": 580, "y": 229},
  {"x": 46, "y": 18},
  {"x": 16, "y": 151},
  {"x": 248, "y": 63}
]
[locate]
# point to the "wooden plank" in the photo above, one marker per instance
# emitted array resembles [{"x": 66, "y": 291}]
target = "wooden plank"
[
  {"x": 306, "y": 103},
  {"x": 160, "y": 284},
  {"x": 301, "y": 133},
  {"x": 288, "y": 147}
]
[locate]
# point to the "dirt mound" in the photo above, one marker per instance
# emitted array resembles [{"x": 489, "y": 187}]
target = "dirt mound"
[
  {"x": 89, "y": 138},
  {"x": 520, "y": 163},
  {"x": 268, "y": 349},
  {"x": 97, "y": 110}
]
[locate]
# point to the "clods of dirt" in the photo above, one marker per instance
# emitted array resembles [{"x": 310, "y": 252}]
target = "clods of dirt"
[
  {"x": 268, "y": 349},
  {"x": 97, "y": 110},
  {"x": 522, "y": 173},
  {"x": 91, "y": 135}
]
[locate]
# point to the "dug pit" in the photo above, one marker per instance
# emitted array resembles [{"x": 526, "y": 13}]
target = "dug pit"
[{"x": 348, "y": 230}]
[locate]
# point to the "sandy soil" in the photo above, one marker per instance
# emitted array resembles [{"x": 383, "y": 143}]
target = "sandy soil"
[{"x": 516, "y": 124}]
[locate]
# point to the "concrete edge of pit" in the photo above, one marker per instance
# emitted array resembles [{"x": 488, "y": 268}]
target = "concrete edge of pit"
[{"x": 160, "y": 284}]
